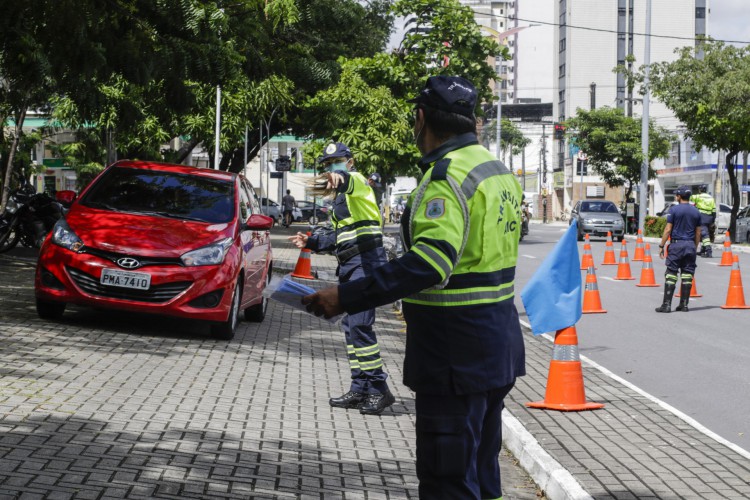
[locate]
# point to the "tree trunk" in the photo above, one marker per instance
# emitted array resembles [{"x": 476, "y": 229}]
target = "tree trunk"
[
  {"x": 185, "y": 149},
  {"x": 20, "y": 117},
  {"x": 735, "y": 192}
]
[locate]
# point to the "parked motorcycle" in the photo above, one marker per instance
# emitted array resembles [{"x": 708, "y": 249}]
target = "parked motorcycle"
[{"x": 29, "y": 216}]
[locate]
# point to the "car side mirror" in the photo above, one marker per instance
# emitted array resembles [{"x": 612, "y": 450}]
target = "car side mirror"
[{"x": 258, "y": 222}]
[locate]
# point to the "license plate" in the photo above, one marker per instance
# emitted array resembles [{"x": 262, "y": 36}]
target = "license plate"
[{"x": 125, "y": 279}]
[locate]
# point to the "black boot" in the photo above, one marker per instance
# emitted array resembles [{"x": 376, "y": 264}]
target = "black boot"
[
  {"x": 349, "y": 400},
  {"x": 668, "y": 293},
  {"x": 685, "y": 290},
  {"x": 709, "y": 252}
]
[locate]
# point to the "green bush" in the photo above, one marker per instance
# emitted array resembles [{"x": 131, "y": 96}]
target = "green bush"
[{"x": 655, "y": 226}]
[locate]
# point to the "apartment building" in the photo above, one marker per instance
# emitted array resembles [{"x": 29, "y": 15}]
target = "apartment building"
[{"x": 592, "y": 38}]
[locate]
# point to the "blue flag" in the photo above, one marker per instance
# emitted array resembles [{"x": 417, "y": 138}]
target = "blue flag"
[{"x": 552, "y": 297}]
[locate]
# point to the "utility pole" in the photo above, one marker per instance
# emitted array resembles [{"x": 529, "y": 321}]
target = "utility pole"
[
  {"x": 544, "y": 173},
  {"x": 523, "y": 168},
  {"x": 643, "y": 198}
]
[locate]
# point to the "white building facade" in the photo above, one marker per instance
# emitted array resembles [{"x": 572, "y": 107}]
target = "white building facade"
[{"x": 592, "y": 38}]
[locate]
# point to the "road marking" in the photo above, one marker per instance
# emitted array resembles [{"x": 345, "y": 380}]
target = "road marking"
[
  {"x": 610, "y": 279},
  {"x": 528, "y": 256},
  {"x": 685, "y": 418}
]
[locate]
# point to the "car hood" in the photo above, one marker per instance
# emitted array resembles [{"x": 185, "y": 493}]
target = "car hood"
[
  {"x": 143, "y": 235},
  {"x": 601, "y": 216}
]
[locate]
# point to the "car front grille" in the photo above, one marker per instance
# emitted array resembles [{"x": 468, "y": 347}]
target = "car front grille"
[{"x": 155, "y": 294}]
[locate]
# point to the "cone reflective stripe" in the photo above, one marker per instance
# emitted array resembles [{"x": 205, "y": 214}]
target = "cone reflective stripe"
[
  {"x": 639, "y": 253},
  {"x": 623, "y": 267},
  {"x": 609, "y": 252},
  {"x": 304, "y": 264},
  {"x": 726, "y": 256},
  {"x": 565, "y": 391},
  {"x": 693, "y": 290},
  {"x": 587, "y": 260},
  {"x": 592, "y": 303},
  {"x": 735, "y": 293},
  {"x": 647, "y": 271}
]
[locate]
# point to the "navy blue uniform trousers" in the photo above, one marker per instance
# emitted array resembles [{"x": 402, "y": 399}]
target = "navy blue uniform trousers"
[
  {"x": 358, "y": 329},
  {"x": 681, "y": 257},
  {"x": 458, "y": 444}
]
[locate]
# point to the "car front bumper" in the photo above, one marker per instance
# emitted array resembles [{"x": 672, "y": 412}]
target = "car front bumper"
[{"x": 66, "y": 276}]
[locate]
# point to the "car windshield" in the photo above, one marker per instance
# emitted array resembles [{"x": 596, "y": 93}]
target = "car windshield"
[
  {"x": 164, "y": 194},
  {"x": 598, "y": 206}
]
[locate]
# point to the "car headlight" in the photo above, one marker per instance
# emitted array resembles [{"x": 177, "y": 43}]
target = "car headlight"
[
  {"x": 209, "y": 255},
  {"x": 588, "y": 221},
  {"x": 63, "y": 236}
]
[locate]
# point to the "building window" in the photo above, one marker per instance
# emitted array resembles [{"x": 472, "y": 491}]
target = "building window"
[
  {"x": 674, "y": 156},
  {"x": 562, "y": 19},
  {"x": 562, "y": 45},
  {"x": 700, "y": 12},
  {"x": 561, "y": 96},
  {"x": 562, "y": 70}
]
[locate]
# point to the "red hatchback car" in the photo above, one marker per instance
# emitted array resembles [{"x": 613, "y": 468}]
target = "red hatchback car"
[{"x": 160, "y": 238}]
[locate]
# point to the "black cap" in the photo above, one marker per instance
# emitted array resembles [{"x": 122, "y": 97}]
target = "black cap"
[
  {"x": 335, "y": 150},
  {"x": 453, "y": 94},
  {"x": 683, "y": 192},
  {"x": 375, "y": 177}
]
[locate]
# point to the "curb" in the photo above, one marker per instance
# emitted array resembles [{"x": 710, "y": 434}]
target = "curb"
[{"x": 551, "y": 477}]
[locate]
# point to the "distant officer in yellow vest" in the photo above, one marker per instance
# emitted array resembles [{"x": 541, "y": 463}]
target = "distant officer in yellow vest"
[
  {"x": 706, "y": 205},
  {"x": 464, "y": 347}
]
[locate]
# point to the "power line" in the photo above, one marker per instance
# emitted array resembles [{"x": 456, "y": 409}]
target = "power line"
[{"x": 602, "y": 30}]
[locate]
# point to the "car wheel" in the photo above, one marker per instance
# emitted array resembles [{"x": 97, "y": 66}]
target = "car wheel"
[
  {"x": 580, "y": 235},
  {"x": 225, "y": 329},
  {"x": 257, "y": 313},
  {"x": 50, "y": 310}
]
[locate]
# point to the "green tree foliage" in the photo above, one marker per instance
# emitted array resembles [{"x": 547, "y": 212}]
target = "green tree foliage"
[
  {"x": 511, "y": 137},
  {"x": 709, "y": 95},
  {"x": 367, "y": 108},
  {"x": 612, "y": 142},
  {"x": 372, "y": 122}
]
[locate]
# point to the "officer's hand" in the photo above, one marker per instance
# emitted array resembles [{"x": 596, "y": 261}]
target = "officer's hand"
[
  {"x": 324, "y": 303},
  {"x": 299, "y": 240},
  {"x": 334, "y": 180},
  {"x": 661, "y": 253}
]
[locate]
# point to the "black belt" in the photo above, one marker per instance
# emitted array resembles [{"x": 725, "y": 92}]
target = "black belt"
[
  {"x": 681, "y": 239},
  {"x": 345, "y": 255}
]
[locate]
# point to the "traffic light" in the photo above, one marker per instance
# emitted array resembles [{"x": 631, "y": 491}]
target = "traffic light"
[{"x": 559, "y": 131}]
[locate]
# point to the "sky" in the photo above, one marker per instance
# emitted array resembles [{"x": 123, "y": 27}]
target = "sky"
[{"x": 727, "y": 20}]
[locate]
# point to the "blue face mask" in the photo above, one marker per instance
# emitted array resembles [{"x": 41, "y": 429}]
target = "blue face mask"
[{"x": 338, "y": 167}]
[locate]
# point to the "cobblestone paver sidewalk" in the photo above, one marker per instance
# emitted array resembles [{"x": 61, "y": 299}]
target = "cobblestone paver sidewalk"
[{"x": 116, "y": 405}]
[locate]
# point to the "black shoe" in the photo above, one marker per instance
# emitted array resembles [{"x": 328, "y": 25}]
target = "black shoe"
[
  {"x": 375, "y": 403},
  {"x": 349, "y": 400},
  {"x": 664, "y": 309}
]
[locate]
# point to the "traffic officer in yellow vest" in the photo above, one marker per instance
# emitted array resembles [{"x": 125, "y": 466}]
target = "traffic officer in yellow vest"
[
  {"x": 357, "y": 240},
  {"x": 464, "y": 347},
  {"x": 706, "y": 205}
]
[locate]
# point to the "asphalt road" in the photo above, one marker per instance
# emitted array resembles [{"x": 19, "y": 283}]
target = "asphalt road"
[{"x": 697, "y": 362}]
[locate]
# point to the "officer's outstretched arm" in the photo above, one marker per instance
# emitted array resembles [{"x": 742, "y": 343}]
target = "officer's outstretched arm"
[{"x": 437, "y": 235}]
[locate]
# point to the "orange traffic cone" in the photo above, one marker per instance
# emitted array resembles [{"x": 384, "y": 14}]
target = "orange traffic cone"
[
  {"x": 735, "y": 293},
  {"x": 587, "y": 260},
  {"x": 302, "y": 269},
  {"x": 639, "y": 253},
  {"x": 693, "y": 290},
  {"x": 565, "y": 389},
  {"x": 592, "y": 303},
  {"x": 647, "y": 271},
  {"x": 609, "y": 252},
  {"x": 726, "y": 257},
  {"x": 623, "y": 268}
]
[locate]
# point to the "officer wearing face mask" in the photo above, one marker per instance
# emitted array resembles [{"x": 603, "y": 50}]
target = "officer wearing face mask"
[
  {"x": 357, "y": 240},
  {"x": 464, "y": 347}
]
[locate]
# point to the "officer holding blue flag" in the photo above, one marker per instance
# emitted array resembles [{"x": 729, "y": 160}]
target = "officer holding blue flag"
[
  {"x": 684, "y": 227},
  {"x": 464, "y": 347}
]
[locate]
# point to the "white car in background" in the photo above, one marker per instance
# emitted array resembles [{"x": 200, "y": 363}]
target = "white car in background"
[{"x": 743, "y": 225}]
